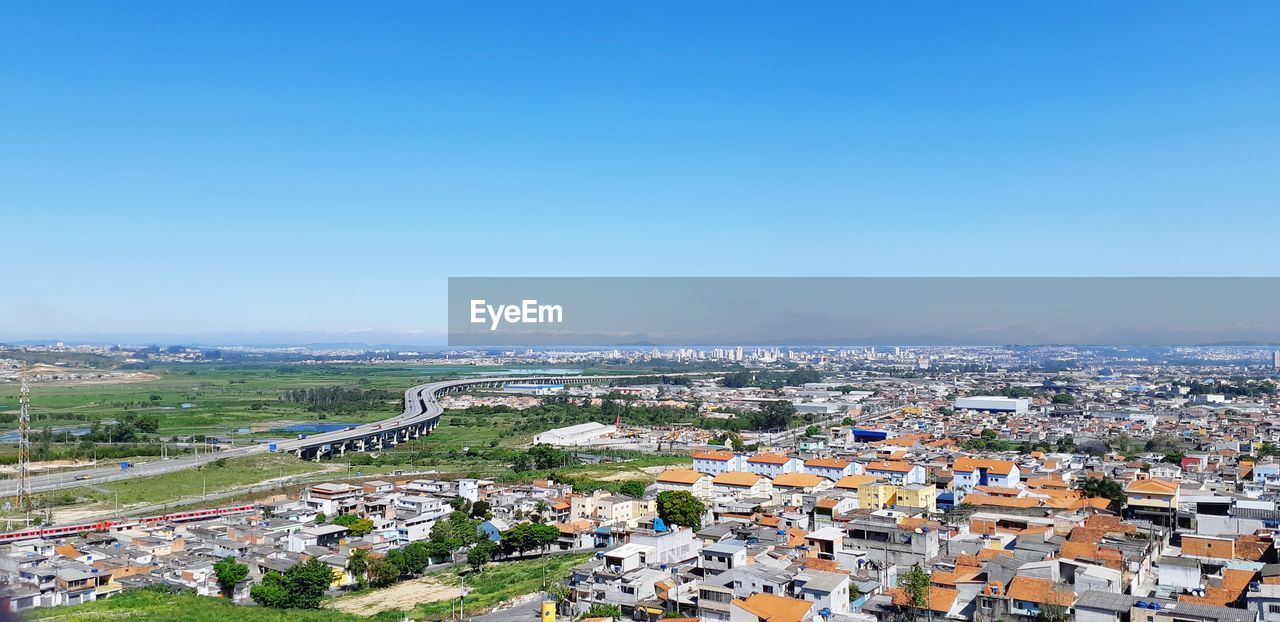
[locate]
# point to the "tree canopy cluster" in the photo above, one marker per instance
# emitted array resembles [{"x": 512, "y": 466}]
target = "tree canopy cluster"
[
  {"x": 339, "y": 398},
  {"x": 302, "y": 586},
  {"x": 679, "y": 507}
]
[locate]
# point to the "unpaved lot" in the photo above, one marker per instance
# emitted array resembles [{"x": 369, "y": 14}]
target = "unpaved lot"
[
  {"x": 636, "y": 474},
  {"x": 399, "y": 596}
]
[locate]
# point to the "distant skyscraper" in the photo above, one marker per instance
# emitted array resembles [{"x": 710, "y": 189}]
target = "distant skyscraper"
[{"x": 1275, "y": 359}]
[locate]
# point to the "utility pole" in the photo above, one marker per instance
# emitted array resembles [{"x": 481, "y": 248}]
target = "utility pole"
[{"x": 24, "y": 442}]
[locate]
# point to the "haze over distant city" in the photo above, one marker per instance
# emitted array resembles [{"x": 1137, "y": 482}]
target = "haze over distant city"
[{"x": 313, "y": 173}]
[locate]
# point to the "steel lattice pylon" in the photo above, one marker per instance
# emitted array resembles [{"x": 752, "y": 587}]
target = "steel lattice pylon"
[{"x": 24, "y": 443}]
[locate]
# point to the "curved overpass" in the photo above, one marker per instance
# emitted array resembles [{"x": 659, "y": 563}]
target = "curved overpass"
[{"x": 421, "y": 415}]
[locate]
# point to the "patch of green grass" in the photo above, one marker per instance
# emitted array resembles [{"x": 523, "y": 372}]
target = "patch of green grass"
[
  {"x": 211, "y": 477},
  {"x": 151, "y": 606},
  {"x": 500, "y": 582}
]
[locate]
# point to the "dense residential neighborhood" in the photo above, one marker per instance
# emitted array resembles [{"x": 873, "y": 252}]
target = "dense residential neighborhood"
[{"x": 1129, "y": 495}]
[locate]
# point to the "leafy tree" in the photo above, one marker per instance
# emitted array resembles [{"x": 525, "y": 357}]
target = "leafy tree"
[
  {"x": 272, "y": 591},
  {"x": 382, "y": 572},
  {"x": 456, "y": 531},
  {"x": 396, "y": 558},
  {"x": 461, "y": 504},
  {"x": 320, "y": 518},
  {"x": 481, "y": 510},
  {"x": 916, "y": 584},
  {"x": 358, "y": 566},
  {"x": 417, "y": 556},
  {"x": 1064, "y": 398},
  {"x": 358, "y": 526},
  {"x": 773, "y": 415},
  {"x": 680, "y": 507},
  {"x": 1104, "y": 487},
  {"x": 302, "y": 586},
  {"x": 529, "y": 537},
  {"x": 230, "y": 573},
  {"x": 632, "y": 488},
  {"x": 546, "y": 457},
  {"x": 1050, "y": 612},
  {"x": 603, "y": 611},
  {"x": 480, "y": 554},
  {"x": 812, "y": 430}
]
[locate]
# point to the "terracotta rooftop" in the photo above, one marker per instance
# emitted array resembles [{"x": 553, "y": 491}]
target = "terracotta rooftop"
[
  {"x": 773, "y": 608},
  {"x": 968, "y": 465},
  {"x": 940, "y": 598},
  {"x": 798, "y": 480},
  {"x": 1041, "y": 591},
  {"x": 737, "y": 478},
  {"x": 680, "y": 476},
  {"x": 1152, "y": 486}
]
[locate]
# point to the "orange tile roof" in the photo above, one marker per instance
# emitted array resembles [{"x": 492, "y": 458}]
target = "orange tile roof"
[
  {"x": 827, "y": 503},
  {"x": 940, "y": 598},
  {"x": 826, "y": 463},
  {"x": 896, "y": 467},
  {"x": 718, "y": 456},
  {"x": 774, "y": 608},
  {"x": 989, "y": 553},
  {"x": 855, "y": 481},
  {"x": 1042, "y": 591},
  {"x": 906, "y": 440},
  {"x": 1087, "y": 551},
  {"x": 680, "y": 476},
  {"x": 1046, "y": 482},
  {"x": 967, "y": 465},
  {"x": 825, "y": 565},
  {"x": 1152, "y": 486},
  {"x": 999, "y": 490},
  {"x": 795, "y": 536},
  {"x": 1234, "y": 582},
  {"x": 949, "y": 579},
  {"x": 798, "y": 480},
  {"x": 769, "y": 459},
  {"x": 1001, "y": 502},
  {"x": 737, "y": 478}
]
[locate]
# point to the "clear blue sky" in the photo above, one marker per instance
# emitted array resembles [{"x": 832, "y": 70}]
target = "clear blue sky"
[{"x": 193, "y": 168}]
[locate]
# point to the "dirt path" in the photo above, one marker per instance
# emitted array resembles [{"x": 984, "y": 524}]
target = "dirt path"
[
  {"x": 634, "y": 474},
  {"x": 402, "y": 596}
]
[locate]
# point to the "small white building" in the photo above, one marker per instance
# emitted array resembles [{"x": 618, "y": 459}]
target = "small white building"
[{"x": 993, "y": 403}]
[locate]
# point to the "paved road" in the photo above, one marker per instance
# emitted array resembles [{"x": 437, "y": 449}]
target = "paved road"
[
  {"x": 524, "y": 612},
  {"x": 421, "y": 407}
]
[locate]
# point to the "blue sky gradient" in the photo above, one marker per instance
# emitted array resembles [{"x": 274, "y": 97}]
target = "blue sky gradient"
[{"x": 194, "y": 169}]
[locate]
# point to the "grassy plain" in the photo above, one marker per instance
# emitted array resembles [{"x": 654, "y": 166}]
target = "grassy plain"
[{"x": 148, "y": 606}]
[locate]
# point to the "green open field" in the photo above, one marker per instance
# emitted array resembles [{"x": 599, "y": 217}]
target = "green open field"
[
  {"x": 499, "y": 582},
  {"x": 148, "y": 606},
  {"x": 242, "y": 400},
  {"x": 491, "y": 586}
]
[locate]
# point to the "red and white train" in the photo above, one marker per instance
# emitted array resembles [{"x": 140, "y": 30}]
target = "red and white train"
[{"x": 108, "y": 525}]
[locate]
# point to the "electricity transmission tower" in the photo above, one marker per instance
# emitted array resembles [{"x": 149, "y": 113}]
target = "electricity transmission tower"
[{"x": 24, "y": 443}]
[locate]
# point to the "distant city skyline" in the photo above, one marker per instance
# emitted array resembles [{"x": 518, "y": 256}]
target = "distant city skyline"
[{"x": 320, "y": 170}]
